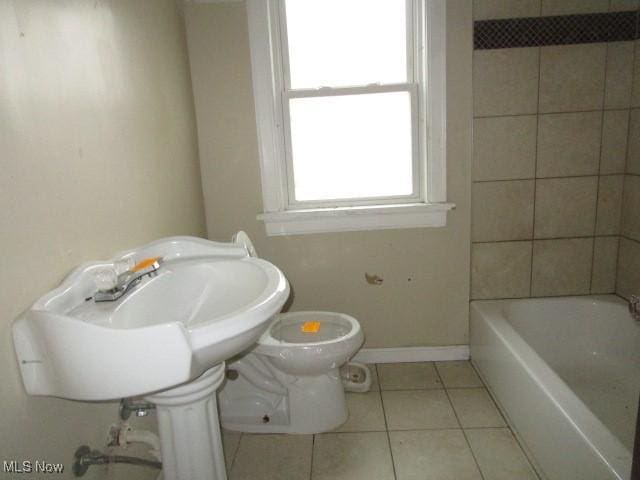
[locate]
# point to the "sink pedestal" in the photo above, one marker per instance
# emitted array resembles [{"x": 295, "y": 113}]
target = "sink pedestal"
[{"x": 189, "y": 429}]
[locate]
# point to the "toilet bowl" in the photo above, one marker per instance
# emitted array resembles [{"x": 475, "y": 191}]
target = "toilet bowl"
[{"x": 290, "y": 382}]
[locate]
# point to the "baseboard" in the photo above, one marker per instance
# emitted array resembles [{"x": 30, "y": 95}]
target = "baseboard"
[{"x": 412, "y": 354}]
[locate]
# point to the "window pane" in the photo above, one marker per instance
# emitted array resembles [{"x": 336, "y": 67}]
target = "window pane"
[
  {"x": 351, "y": 146},
  {"x": 335, "y": 43}
]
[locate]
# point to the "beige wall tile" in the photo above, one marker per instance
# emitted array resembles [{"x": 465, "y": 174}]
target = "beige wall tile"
[
  {"x": 504, "y": 148},
  {"x": 490, "y": 9},
  {"x": 572, "y": 77},
  {"x": 505, "y": 81},
  {"x": 567, "y": 7},
  {"x": 565, "y": 207},
  {"x": 619, "y": 78},
  {"x": 369, "y": 457},
  {"x": 631, "y": 207},
  {"x": 569, "y": 144},
  {"x": 502, "y": 210},
  {"x": 408, "y": 376},
  {"x": 475, "y": 408},
  {"x": 418, "y": 409},
  {"x": 633, "y": 152},
  {"x": 499, "y": 455},
  {"x": 436, "y": 455},
  {"x": 500, "y": 270},
  {"x": 273, "y": 457},
  {"x": 620, "y": 5},
  {"x": 614, "y": 141},
  {"x": 628, "y": 280},
  {"x": 605, "y": 257},
  {"x": 635, "y": 96},
  {"x": 561, "y": 267},
  {"x": 609, "y": 205}
]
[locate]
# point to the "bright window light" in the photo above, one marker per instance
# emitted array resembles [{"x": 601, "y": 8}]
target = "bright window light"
[
  {"x": 334, "y": 43},
  {"x": 350, "y": 109},
  {"x": 351, "y": 146}
]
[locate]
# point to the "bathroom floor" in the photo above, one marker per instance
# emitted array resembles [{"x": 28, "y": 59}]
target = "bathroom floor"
[{"x": 426, "y": 420}]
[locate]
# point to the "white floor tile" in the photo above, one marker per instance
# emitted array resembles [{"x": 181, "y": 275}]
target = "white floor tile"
[
  {"x": 418, "y": 409},
  {"x": 475, "y": 408},
  {"x": 230, "y": 442},
  {"x": 273, "y": 457},
  {"x": 351, "y": 456},
  {"x": 408, "y": 376},
  {"x": 433, "y": 455},
  {"x": 499, "y": 455},
  {"x": 365, "y": 413},
  {"x": 459, "y": 374}
]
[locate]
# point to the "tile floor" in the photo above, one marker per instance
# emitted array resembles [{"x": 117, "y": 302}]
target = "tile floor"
[{"x": 422, "y": 421}]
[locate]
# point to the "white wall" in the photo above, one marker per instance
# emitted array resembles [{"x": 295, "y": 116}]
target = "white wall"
[
  {"x": 98, "y": 153},
  {"x": 424, "y": 297}
]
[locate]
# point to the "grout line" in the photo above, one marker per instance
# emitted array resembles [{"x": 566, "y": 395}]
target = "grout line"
[
  {"x": 535, "y": 166},
  {"x": 412, "y": 389},
  {"x": 474, "y": 147},
  {"x": 499, "y": 180},
  {"x": 595, "y": 214},
  {"x": 630, "y": 239},
  {"x": 542, "y": 239},
  {"x": 441, "y": 429},
  {"x": 615, "y": 278},
  {"x": 626, "y": 157},
  {"x": 313, "y": 448},
  {"x": 464, "y": 434},
  {"x": 386, "y": 425},
  {"x": 235, "y": 454},
  {"x": 430, "y": 389},
  {"x": 541, "y": 297},
  {"x": 558, "y": 112},
  {"x": 527, "y": 458},
  {"x": 493, "y": 400}
]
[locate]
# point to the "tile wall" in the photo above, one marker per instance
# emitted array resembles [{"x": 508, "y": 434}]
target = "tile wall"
[
  {"x": 628, "y": 278},
  {"x": 550, "y": 169}
]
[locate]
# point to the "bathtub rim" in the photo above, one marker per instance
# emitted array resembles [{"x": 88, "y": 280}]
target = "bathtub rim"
[{"x": 595, "y": 435}]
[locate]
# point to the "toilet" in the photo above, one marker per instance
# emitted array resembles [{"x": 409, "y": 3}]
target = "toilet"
[
  {"x": 293, "y": 380},
  {"x": 290, "y": 382}
]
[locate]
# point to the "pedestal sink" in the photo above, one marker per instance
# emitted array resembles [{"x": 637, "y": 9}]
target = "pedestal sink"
[{"x": 166, "y": 339}]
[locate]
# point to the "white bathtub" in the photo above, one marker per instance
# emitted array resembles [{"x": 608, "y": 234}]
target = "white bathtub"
[{"x": 566, "y": 372}]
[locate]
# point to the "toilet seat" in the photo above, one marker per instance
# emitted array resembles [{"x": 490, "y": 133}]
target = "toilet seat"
[{"x": 310, "y": 353}]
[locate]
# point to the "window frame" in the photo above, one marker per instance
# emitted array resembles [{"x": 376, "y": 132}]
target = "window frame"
[{"x": 427, "y": 205}]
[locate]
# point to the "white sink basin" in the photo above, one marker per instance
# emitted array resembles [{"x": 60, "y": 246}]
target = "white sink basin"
[{"x": 208, "y": 302}]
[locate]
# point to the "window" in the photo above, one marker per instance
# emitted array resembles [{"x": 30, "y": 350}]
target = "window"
[{"x": 350, "y": 109}]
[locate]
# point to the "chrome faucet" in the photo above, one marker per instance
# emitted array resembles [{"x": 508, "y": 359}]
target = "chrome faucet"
[
  {"x": 113, "y": 285},
  {"x": 634, "y": 307}
]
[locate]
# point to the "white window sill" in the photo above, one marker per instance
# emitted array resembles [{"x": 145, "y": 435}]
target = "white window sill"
[{"x": 345, "y": 219}]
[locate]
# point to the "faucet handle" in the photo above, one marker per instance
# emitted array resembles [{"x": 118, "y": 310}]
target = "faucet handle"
[
  {"x": 124, "y": 265},
  {"x": 106, "y": 279}
]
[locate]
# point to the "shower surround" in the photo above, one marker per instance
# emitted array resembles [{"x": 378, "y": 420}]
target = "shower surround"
[{"x": 556, "y": 191}]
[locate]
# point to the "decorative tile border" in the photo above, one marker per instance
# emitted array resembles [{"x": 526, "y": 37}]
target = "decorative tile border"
[{"x": 557, "y": 30}]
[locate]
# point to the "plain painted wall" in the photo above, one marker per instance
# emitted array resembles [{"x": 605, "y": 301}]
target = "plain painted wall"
[
  {"x": 98, "y": 153},
  {"x": 424, "y": 297}
]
